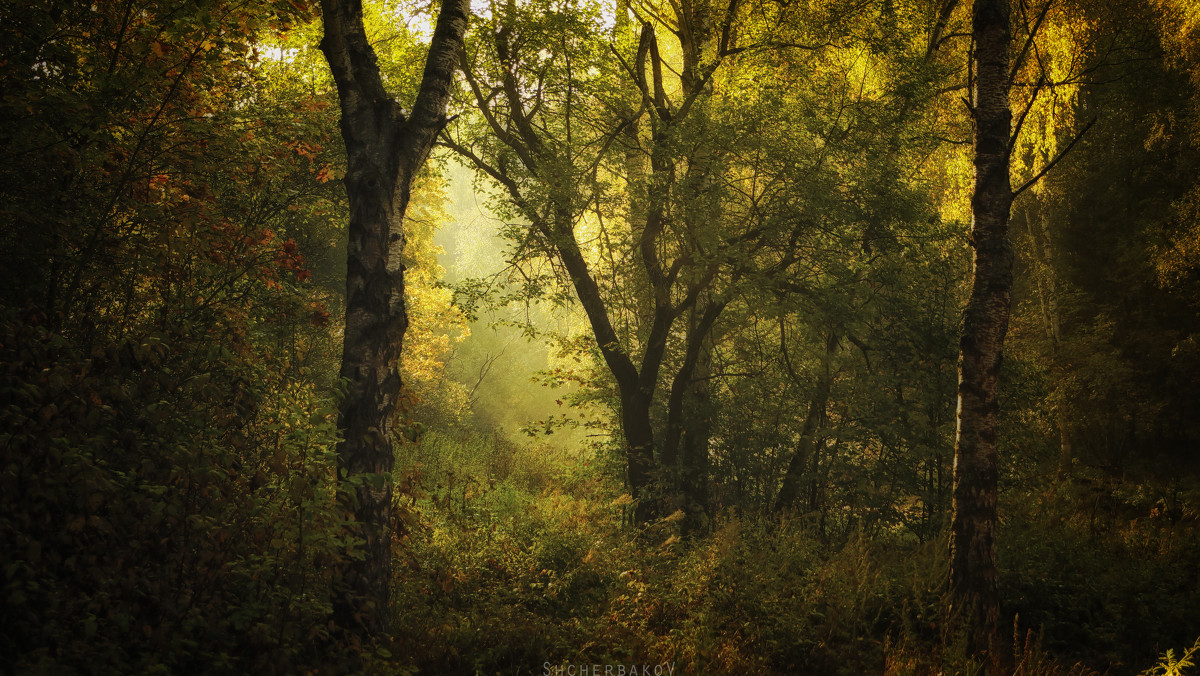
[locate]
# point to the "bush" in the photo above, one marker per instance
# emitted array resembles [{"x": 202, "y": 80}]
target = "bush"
[{"x": 163, "y": 508}]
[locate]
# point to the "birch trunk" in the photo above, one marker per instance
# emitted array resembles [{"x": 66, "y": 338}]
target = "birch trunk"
[
  {"x": 385, "y": 148},
  {"x": 974, "y": 594}
]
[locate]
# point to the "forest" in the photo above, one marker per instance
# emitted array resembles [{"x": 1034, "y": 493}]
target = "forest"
[{"x": 584, "y": 337}]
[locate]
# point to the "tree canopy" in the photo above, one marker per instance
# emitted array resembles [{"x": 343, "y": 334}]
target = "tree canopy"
[{"x": 508, "y": 336}]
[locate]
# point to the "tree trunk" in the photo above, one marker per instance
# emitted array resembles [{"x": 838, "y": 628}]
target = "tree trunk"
[
  {"x": 1048, "y": 293},
  {"x": 384, "y": 149},
  {"x": 639, "y": 449},
  {"x": 636, "y": 397},
  {"x": 974, "y": 594},
  {"x": 789, "y": 491},
  {"x": 696, "y": 437},
  {"x": 685, "y": 449}
]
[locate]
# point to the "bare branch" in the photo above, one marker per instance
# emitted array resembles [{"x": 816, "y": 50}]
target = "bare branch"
[
  {"x": 1029, "y": 40},
  {"x": 1055, "y": 161},
  {"x": 1016, "y": 133},
  {"x": 943, "y": 19}
]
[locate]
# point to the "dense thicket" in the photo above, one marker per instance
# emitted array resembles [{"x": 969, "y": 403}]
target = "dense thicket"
[
  {"x": 732, "y": 241},
  {"x": 167, "y": 359}
]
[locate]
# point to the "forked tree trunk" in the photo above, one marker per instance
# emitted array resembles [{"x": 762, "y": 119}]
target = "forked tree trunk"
[
  {"x": 684, "y": 457},
  {"x": 656, "y": 281},
  {"x": 694, "y": 458},
  {"x": 789, "y": 490},
  {"x": 385, "y": 148},
  {"x": 974, "y": 594}
]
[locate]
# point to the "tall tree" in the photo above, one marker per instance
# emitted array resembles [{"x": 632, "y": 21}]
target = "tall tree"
[
  {"x": 385, "y": 148},
  {"x": 663, "y": 188},
  {"x": 541, "y": 163},
  {"x": 975, "y": 598}
]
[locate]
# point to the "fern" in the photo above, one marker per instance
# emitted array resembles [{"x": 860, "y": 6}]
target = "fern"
[{"x": 1169, "y": 665}]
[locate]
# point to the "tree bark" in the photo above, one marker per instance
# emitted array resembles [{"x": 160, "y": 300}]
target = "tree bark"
[
  {"x": 1048, "y": 293},
  {"x": 685, "y": 446},
  {"x": 789, "y": 491},
  {"x": 974, "y": 593},
  {"x": 697, "y": 435},
  {"x": 385, "y": 148}
]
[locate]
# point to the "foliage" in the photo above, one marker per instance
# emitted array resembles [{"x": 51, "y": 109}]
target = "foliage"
[
  {"x": 1101, "y": 569},
  {"x": 1174, "y": 666},
  {"x": 508, "y": 571},
  {"x": 152, "y": 520},
  {"x": 167, "y": 418},
  {"x": 172, "y": 286},
  {"x": 437, "y": 326}
]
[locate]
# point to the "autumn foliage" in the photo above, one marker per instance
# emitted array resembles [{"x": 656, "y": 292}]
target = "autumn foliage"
[{"x": 172, "y": 292}]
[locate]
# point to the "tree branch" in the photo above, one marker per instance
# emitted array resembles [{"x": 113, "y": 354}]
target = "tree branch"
[
  {"x": 1029, "y": 40},
  {"x": 1055, "y": 161}
]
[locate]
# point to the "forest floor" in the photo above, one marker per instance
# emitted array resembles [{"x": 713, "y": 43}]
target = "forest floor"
[{"x": 518, "y": 563}]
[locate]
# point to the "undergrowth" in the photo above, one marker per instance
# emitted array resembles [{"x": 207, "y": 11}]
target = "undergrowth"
[{"x": 520, "y": 563}]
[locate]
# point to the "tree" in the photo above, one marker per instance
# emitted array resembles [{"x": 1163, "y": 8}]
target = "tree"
[
  {"x": 663, "y": 186},
  {"x": 974, "y": 591},
  {"x": 385, "y": 148},
  {"x": 540, "y": 157},
  {"x": 161, "y": 188}
]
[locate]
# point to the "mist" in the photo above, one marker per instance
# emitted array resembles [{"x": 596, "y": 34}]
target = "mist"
[{"x": 509, "y": 344}]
